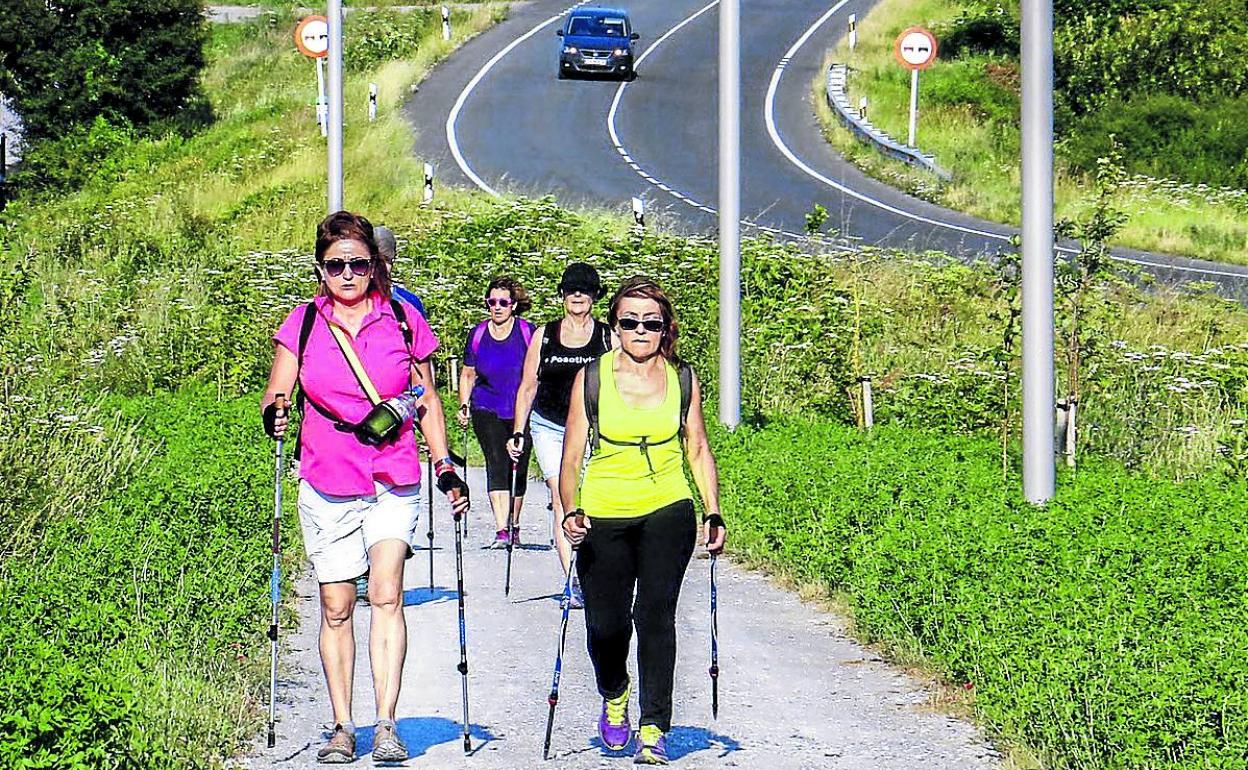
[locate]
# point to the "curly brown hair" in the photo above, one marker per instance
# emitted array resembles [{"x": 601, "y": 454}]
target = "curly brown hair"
[
  {"x": 520, "y": 302},
  {"x": 647, "y": 288},
  {"x": 345, "y": 226}
]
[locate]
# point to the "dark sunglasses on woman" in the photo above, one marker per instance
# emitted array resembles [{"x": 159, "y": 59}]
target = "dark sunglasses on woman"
[
  {"x": 334, "y": 267},
  {"x": 650, "y": 324},
  {"x": 498, "y": 302}
]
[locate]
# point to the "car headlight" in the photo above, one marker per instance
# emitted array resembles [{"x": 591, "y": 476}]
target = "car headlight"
[
  {"x": 569, "y": 49},
  {"x": 620, "y": 51}
]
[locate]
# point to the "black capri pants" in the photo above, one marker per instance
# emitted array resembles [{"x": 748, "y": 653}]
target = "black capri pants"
[
  {"x": 650, "y": 553},
  {"x": 493, "y": 433}
]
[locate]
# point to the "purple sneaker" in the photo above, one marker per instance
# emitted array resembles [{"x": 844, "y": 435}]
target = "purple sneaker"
[
  {"x": 500, "y": 539},
  {"x": 613, "y": 726},
  {"x": 651, "y": 746}
]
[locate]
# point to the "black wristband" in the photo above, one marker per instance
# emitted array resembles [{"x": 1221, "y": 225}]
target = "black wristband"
[
  {"x": 715, "y": 520},
  {"x": 517, "y": 436},
  {"x": 449, "y": 480},
  {"x": 269, "y": 416},
  {"x": 576, "y": 512}
]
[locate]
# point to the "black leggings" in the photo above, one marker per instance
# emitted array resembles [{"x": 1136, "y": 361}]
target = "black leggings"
[
  {"x": 493, "y": 433},
  {"x": 651, "y": 553}
]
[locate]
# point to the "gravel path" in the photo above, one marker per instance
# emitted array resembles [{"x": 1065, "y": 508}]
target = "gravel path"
[{"x": 795, "y": 693}]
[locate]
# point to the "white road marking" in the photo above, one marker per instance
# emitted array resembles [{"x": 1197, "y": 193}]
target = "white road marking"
[
  {"x": 451, "y": 119},
  {"x": 769, "y": 107}
]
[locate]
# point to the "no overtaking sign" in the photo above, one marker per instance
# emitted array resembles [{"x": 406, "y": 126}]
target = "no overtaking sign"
[{"x": 312, "y": 37}]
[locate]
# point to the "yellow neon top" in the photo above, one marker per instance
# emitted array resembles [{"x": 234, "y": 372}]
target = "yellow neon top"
[{"x": 623, "y": 481}]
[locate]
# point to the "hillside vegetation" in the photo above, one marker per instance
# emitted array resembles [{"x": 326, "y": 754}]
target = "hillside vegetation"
[
  {"x": 134, "y": 479},
  {"x": 1153, "y": 88}
]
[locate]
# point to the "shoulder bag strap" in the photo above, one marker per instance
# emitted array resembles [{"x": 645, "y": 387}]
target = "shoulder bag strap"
[{"x": 357, "y": 368}]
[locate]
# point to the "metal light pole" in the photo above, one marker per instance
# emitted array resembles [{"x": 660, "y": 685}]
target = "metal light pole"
[
  {"x": 1037, "y": 286},
  {"x": 334, "y": 17},
  {"x": 730, "y": 213}
]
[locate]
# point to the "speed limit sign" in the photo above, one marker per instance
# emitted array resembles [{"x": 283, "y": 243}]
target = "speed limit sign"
[
  {"x": 312, "y": 37},
  {"x": 915, "y": 48}
]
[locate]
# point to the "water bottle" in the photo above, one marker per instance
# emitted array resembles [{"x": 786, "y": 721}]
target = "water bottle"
[{"x": 386, "y": 419}]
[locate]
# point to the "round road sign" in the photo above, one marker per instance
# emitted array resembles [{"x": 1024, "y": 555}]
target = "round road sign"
[
  {"x": 915, "y": 48},
  {"x": 312, "y": 36}
]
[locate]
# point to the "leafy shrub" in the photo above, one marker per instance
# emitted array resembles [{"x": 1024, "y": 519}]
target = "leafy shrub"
[
  {"x": 145, "y": 604},
  {"x": 993, "y": 31},
  {"x": 376, "y": 37},
  {"x": 1189, "y": 48},
  {"x": 1100, "y": 629},
  {"x": 1172, "y": 137}
]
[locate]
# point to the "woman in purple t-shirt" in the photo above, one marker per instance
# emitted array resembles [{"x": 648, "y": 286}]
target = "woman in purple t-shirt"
[{"x": 493, "y": 364}]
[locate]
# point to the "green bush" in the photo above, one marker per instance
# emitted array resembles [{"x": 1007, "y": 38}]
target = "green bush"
[
  {"x": 127, "y": 632},
  {"x": 1167, "y": 136},
  {"x": 376, "y": 37},
  {"x": 1105, "y": 630}
]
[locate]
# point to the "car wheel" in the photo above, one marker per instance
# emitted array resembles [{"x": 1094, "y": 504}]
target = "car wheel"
[
  {"x": 562, "y": 75},
  {"x": 631, "y": 75}
]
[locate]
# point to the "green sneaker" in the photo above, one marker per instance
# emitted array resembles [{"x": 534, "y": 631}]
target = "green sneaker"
[{"x": 651, "y": 746}]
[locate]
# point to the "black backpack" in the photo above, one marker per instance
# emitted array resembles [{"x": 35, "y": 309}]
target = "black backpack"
[
  {"x": 593, "y": 383},
  {"x": 305, "y": 331}
]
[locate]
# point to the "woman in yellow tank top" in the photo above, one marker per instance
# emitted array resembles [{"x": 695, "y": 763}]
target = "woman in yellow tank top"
[{"x": 639, "y": 525}]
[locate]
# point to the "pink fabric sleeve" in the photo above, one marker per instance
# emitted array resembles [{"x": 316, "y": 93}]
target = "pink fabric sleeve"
[{"x": 288, "y": 333}]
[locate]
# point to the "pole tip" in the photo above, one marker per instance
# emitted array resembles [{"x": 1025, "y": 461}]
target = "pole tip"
[{"x": 272, "y": 737}]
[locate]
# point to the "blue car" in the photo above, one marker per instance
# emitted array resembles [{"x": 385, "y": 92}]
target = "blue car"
[{"x": 597, "y": 41}]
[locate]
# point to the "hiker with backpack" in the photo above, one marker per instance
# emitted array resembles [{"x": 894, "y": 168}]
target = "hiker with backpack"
[
  {"x": 361, "y": 361},
  {"x": 638, "y": 410},
  {"x": 556, "y": 354},
  {"x": 493, "y": 364}
]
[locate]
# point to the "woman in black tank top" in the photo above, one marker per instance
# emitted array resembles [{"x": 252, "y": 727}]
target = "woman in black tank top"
[{"x": 556, "y": 353}]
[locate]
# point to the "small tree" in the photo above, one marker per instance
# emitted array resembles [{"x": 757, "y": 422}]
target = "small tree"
[
  {"x": 1083, "y": 281},
  {"x": 64, "y": 63}
]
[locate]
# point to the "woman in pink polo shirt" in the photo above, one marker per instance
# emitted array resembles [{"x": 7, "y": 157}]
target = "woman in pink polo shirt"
[{"x": 359, "y": 497}]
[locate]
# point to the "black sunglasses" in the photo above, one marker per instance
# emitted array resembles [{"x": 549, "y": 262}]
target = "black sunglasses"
[
  {"x": 650, "y": 324},
  {"x": 334, "y": 267}
]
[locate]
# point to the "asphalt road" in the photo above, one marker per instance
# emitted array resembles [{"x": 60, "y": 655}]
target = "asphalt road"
[
  {"x": 796, "y": 693},
  {"x": 495, "y": 116}
]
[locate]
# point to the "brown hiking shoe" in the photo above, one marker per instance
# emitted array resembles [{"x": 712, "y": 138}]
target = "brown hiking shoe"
[
  {"x": 387, "y": 746},
  {"x": 339, "y": 750}
]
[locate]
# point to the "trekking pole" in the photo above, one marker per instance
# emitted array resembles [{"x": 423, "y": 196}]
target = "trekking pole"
[
  {"x": 553, "y": 698},
  {"x": 714, "y": 670},
  {"x": 275, "y": 578},
  {"x": 463, "y": 643},
  {"x": 511, "y": 527},
  {"x": 430, "y": 534}
]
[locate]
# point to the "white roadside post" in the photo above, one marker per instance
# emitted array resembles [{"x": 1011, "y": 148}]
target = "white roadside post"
[
  {"x": 335, "y": 105},
  {"x": 454, "y": 374},
  {"x": 1037, "y": 283},
  {"x": 730, "y": 213},
  {"x": 862, "y": 108},
  {"x": 915, "y": 49},
  {"x": 446, "y": 23},
  {"x": 639, "y": 212},
  {"x": 853, "y": 31},
  {"x": 312, "y": 40},
  {"x": 426, "y": 197},
  {"x": 372, "y": 102}
]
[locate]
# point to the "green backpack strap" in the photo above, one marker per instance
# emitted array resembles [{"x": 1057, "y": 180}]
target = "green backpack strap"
[
  {"x": 593, "y": 383},
  {"x": 684, "y": 374}
]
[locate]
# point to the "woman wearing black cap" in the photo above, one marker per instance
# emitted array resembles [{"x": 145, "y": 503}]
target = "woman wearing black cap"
[{"x": 556, "y": 353}]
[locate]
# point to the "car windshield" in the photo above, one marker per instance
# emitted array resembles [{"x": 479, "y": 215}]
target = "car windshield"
[{"x": 598, "y": 26}]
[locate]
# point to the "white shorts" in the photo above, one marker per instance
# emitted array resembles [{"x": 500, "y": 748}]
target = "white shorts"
[
  {"x": 547, "y": 445},
  {"x": 338, "y": 530}
]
